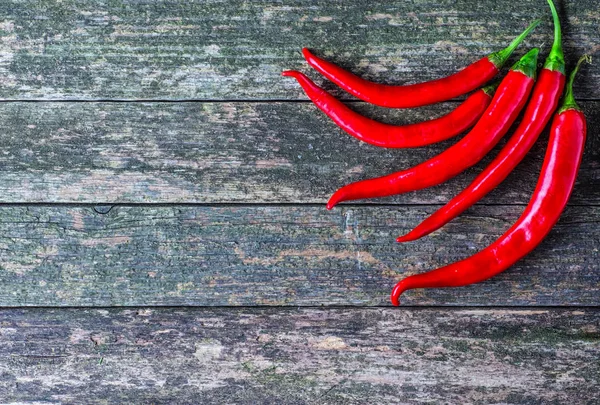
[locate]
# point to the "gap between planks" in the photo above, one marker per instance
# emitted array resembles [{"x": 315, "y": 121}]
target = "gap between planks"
[
  {"x": 224, "y": 101},
  {"x": 337, "y": 307}
]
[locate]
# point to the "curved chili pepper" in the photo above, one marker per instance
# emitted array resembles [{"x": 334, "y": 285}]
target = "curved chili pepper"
[
  {"x": 556, "y": 181},
  {"x": 416, "y": 95},
  {"x": 540, "y": 108},
  {"x": 395, "y": 136},
  {"x": 508, "y": 101}
]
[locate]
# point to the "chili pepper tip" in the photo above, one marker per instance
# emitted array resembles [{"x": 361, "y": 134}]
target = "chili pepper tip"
[
  {"x": 405, "y": 238},
  {"x": 396, "y": 292},
  {"x": 337, "y": 197}
]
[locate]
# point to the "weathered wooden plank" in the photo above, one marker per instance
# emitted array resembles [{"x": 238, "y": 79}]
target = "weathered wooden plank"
[
  {"x": 300, "y": 356},
  {"x": 225, "y": 152},
  {"x": 298, "y": 256},
  {"x": 181, "y": 49}
]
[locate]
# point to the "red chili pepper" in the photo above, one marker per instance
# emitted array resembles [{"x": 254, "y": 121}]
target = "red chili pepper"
[
  {"x": 394, "y": 136},
  {"x": 508, "y": 101},
  {"x": 416, "y": 95},
  {"x": 540, "y": 108},
  {"x": 556, "y": 181}
]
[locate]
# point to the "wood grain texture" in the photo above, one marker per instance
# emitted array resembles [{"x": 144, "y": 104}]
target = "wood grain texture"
[
  {"x": 292, "y": 256},
  {"x": 300, "y": 356},
  {"x": 211, "y": 50},
  {"x": 226, "y": 153},
  {"x": 256, "y": 141}
]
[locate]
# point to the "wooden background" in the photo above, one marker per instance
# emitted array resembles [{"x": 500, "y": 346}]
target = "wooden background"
[{"x": 163, "y": 231}]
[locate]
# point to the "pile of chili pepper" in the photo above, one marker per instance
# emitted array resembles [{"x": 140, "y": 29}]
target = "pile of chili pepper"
[{"x": 489, "y": 112}]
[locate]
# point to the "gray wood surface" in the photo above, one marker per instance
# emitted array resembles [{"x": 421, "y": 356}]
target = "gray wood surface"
[
  {"x": 163, "y": 235},
  {"x": 300, "y": 356},
  {"x": 292, "y": 255},
  {"x": 181, "y": 49},
  {"x": 228, "y": 152}
]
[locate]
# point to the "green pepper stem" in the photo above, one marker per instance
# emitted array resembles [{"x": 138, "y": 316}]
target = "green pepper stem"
[
  {"x": 569, "y": 100},
  {"x": 528, "y": 63},
  {"x": 556, "y": 58},
  {"x": 491, "y": 88},
  {"x": 499, "y": 58}
]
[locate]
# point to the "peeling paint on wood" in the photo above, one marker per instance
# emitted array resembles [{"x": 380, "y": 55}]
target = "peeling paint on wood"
[
  {"x": 277, "y": 255},
  {"x": 299, "y": 356}
]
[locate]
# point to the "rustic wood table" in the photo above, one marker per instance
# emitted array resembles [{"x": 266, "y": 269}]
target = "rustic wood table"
[{"x": 163, "y": 231}]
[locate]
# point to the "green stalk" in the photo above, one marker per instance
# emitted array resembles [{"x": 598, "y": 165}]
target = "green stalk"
[
  {"x": 528, "y": 63},
  {"x": 569, "y": 100},
  {"x": 499, "y": 58},
  {"x": 556, "y": 58},
  {"x": 491, "y": 88}
]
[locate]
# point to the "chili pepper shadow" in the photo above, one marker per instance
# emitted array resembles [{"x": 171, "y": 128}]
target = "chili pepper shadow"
[{"x": 587, "y": 189}]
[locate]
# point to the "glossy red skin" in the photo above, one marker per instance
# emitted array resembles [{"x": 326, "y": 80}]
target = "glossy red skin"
[
  {"x": 556, "y": 181},
  {"x": 508, "y": 101},
  {"x": 395, "y": 136},
  {"x": 408, "y": 96},
  {"x": 540, "y": 108}
]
